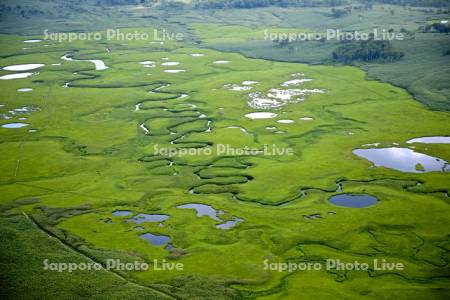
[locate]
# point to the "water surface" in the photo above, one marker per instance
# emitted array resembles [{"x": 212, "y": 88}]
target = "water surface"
[
  {"x": 261, "y": 115},
  {"x": 24, "y": 67},
  {"x": 285, "y": 121},
  {"x": 431, "y": 140},
  {"x": 99, "y": 64},
  {"x": 156, "y": 240},
  {"x": 229, "y": 224},
  {"x": 14, "y": 125},
  {"x": 353, "y": 200},
  {"x": 170, "y": 63},
  {"x": 121, "y": 213},
  {"x": 174, "y": 71},
  {"x": 295, "y": 82},
  {"x": 403, "y": 159},
  {"x": 16, "y": 76},
  {"x": 144, "y": 218},
  {"x": 202, "y": 210}
]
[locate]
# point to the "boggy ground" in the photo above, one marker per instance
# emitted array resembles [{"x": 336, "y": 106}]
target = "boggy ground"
[{"x": 93, "y": 152}]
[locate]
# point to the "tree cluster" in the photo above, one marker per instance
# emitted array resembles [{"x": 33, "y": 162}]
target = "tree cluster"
[
  {"x": 224, "y": 4},
  {"x": 20, "y": 10},
  {"x": 438, "y": 27},
  {"x": 418, "y": 3},
  {"x": 370, "y": 50}
]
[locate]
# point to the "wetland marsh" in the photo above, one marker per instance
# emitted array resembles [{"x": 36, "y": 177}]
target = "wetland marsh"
[{"x": 81, "y": 180}]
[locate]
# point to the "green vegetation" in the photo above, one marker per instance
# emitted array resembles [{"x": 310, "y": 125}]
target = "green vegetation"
[
  {"x": 366, "y": 51},
  {"x": 98, "y": 142},
  {"x": 220, "y": 4},
  {"x": 419, "y": 167},
  {"x": 438, "y": 27},
  {"x": 420, "y": 3},
  {"x": 339, "y": 13},
  {"x": 423, "y": 69},
  {"x": 89, "y": 157}
]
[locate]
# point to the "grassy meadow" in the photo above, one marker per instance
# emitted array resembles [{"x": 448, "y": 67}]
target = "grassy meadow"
[
  {"x": 423, "y": 70},
  {"x": 87, "y": 156}
]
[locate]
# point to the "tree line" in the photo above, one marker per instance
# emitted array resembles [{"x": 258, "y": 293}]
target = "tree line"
[
  {"x": 367, "y": 50},
  {"x": 421, "y": 3},
  {"x": 223, "y": 4},
  {"x": 438, "y": 27}
]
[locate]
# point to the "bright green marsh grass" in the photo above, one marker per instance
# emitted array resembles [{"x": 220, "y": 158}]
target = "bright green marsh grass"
[{"x": 89, "y": 157}]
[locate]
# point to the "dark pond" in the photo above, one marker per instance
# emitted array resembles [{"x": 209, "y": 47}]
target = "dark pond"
[
  {"x": 202, "y": 210},
  {"x": 156, "y": 240},
  {"x": 143, "y": 218},
  {"x": 229, "y": 224},
  {"x": 121, "y": 213},
  {"x": 353, "y": 200}
]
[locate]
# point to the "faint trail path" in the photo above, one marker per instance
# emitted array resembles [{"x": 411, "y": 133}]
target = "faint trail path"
[
  {"x": 94, "y": 260},
  {"x": 16, "y": 171}
]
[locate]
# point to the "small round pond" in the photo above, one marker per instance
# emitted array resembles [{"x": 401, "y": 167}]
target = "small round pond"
[{"x": 353, "y": 200}]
